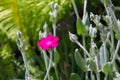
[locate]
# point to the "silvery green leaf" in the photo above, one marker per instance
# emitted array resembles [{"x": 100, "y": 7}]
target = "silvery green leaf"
[
  {"x": 103, "y": 56},
  {"x": 75, "y": 76},
  {"x": 80, "y": 61},
  {"x": 93, "y": 65},
  {"x": 85, "y": 19}
]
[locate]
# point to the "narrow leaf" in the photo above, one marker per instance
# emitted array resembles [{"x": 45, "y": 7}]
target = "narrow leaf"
[
  {"x": 56, "y": 56},
  {"x": 103, "y": 56}
]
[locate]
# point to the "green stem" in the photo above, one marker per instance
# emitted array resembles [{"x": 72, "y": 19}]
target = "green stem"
[{"x": 50, "y": 63}]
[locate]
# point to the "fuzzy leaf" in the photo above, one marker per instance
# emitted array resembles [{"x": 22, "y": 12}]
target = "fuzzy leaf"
[
  {"x": 103, "y": 56},
  {"x": 80, "y": 61},
  {"x": 93, "y": 66},
  {"x": 107, "y": 68},
  {"x": 74, "y": 76}
]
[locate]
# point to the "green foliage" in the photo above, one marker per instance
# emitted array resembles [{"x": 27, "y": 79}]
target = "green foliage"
[
  {"x": 74, "y": 76},
  {"x": 108, "y": 68},
  {"x": 56, "y": 57},
  {"x": 80, "y": 61},
  {"x": 81, "y": 29},
  {"x": 27, "y": 16},
  {"x": 93, "y": 66},
  {"x": 6, "y": 65}
]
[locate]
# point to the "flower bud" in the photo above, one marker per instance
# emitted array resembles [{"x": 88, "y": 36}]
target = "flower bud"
[
  {"x": 19, "y": 34},
  {"x": 92, "y": 31},
  {"x": 73, "y": 37}
]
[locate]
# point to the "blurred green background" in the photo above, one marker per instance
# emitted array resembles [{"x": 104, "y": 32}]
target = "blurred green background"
[{"x": 29, "y": 16}]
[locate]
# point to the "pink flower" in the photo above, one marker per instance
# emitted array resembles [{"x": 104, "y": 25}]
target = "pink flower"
[{"x": 48, "y": 42}]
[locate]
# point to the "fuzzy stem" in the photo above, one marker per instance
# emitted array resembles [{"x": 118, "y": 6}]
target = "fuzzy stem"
[
  {"x": 98, "y": 75},
  {"x": 92, "y": 76},
  {"x": 27, "y": 75},
  {"x": 97, "y": 64},
  {"x": 105, "y": 78},
  {"x": 118, "y": 57},
  {"x": 50, "y": 63},
  {"x": 105, "y": 54},
  {"x": 116, "y": 51},
  {"x": 113, "y": 44},
  {"x": 56, "y": 72},
  {"x": 75, "y": 8},
  {"x": 86, "y": 74},
  {"x": 84, "y": 46},
  {"x": 46, "y": 62},
  {"x": 84, "y": 10},
  {"x": 79, "y": 44},
  {"x": 54, "y": 29},
  {"x": 54, "y": 33},
  {"x": 85, "y": 6},
  {"x": 55, "y": 66},
  {"x": 21, "y": 46},
  {"x": 111, "y": 13},
  {"x": 84, "y": 13}
]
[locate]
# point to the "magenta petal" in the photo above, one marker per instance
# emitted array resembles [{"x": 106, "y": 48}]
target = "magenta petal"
[
  {"x": 48, "y": 42},
  {"x": 41, "y": 42},
  {"x": 54, "y": 45},
  {"x": 45, "y": 47},
  {"x": 55, "y": 39},
  {"x": 49, "y": 37}
]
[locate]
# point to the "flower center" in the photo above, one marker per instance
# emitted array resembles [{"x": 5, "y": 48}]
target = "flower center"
[{"x": 49, "y": 43}]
